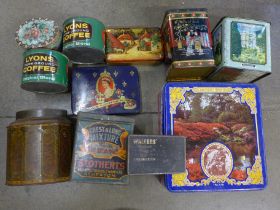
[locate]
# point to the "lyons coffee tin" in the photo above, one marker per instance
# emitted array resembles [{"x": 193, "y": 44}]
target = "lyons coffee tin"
[
  {"x": 100, "y": 151},
  {"x": 106, "y": 90},
  {"x": 83, "y": 40},
  {"x": 155, "y": 154},
  {"x": 39, "y": 33},
  {"x": 242, "y": 50},
  {"x": 133, "y": 45},
  {"x": 222, "y": 123},
  {"x": 44, "y": 71},
  {"x": 39, "y": 147},
  {"x": 188, "y": 44}
]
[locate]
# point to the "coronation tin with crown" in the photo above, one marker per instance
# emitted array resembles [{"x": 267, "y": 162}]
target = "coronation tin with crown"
[
  {"x": 188, "y": 44},
  {"x": 222, "y": 123},
  {"x": 106, "y": 90}
]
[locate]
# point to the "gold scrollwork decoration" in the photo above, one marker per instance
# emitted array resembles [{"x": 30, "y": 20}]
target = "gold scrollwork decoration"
[
  {"x": 176, "y": 96},
  {"x": 248, "y": 95}
]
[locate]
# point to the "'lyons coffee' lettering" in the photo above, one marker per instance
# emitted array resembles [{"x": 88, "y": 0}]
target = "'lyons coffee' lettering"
[
  {"x": 77, "y": 31},
  {"x": 40, "y": 64}
]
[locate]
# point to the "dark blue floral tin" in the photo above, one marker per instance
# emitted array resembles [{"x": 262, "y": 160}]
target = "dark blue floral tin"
[
  {"x": 222, "y": 123},
  {"x": 106, "y": 90}
]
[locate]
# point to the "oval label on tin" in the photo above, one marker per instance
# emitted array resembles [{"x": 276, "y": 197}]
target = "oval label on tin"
[
  {"x": 77, "y": 31},
  {"x": 40, "y": 63},
  {"x": 216, "y": 160}
]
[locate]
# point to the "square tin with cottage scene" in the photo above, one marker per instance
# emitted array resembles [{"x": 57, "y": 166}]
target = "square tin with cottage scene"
[{"x": 222, "y": 123}]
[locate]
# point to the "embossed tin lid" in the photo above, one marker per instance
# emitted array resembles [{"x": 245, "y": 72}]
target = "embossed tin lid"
[
  {"x": 38, "y": 33},
  {"x": 53, "y": 113}
]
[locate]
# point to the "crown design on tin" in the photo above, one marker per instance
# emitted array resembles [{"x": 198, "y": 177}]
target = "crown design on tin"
[{"x": 105, "y": 74}]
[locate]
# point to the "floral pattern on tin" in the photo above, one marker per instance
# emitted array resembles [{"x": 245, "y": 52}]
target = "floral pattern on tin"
[{"x": 37, "y": 33}]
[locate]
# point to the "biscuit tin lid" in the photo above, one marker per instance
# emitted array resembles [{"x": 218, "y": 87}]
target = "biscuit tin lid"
[
  {"x": 53, "y": 113},
  {"x": 37, "y": 32},
  {"x": 221, "y": 139},
  {"x": 89, "y": 116}
]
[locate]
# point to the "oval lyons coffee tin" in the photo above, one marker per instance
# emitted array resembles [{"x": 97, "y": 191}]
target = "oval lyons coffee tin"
[
  {"x": 39, "y": 33},
  {"x": 83, "y": 40},
  {"x": 44, "y": 71}
]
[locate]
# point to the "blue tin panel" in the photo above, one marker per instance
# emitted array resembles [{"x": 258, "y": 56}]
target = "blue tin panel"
[
  {"x": 222, "y": 123},
  {"x": 106, "y": 90}
]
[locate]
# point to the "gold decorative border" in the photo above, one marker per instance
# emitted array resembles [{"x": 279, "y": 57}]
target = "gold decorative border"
[{"x": 255, "y": 176}]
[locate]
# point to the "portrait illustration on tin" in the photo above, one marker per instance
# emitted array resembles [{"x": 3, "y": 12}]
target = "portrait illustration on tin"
[
  {"x": 105, "y": 85},
  {"x": 221, "y": 135},
  {"x": 248, "y": 43}
]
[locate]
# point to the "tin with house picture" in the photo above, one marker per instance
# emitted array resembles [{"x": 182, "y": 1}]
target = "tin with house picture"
[
  {"x": 222, "y": 124},
  {"x": 133, "y": 45},
  {"x": 106, "y": 90},
  {"x": 242, "y": 50},
  {"x": 100, "y": 149},
  {"x": 188, "y": 44}
]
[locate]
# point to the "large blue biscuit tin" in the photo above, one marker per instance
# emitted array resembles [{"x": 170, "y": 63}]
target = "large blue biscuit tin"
[
  {"x": 106, "y": 90},
  {"x": 222, "y": 123}
]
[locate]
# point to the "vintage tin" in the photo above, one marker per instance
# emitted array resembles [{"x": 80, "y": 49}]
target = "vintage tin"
[
  {"x": 100, "y": 150},
  {"x": 222, "y": 123},
  {"x": 155, "y": 154},
  {"x": 39, "y": 147},
  {"x": 83, "y": 40},
  {"x": 133, "y": 45},
  {"x": 106, "y": 90},
  {"x": 39, "y": 33},
  {"x": 188, "y": 44},
  {"x": 44, "y": 71},
  {"x": 242, "y": 50}
]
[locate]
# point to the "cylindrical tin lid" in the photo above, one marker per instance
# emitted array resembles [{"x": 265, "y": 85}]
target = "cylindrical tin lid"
[{"x": 52, "y": 113}]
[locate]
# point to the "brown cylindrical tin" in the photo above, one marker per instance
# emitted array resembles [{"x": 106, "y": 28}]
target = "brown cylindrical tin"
[{"x": 39, "y": 147}]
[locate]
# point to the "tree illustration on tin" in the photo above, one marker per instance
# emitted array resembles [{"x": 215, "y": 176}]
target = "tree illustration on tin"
[
  {"x": 235, "y": 40},
  {"x": 155, "y": 39},
  {"x": 196, "y": 109}
]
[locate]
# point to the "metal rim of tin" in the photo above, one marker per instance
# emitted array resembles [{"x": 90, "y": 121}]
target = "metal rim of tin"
[
  {"x": 85, "y": 115},
  {"x": 99, "y": 55},
  {"x": 74, "y": 17},
  {"x": 57, "y": 33},
  {"x": 36, "y": 113},
  {"x": 45, "y": 50},
  {"x": 169, "y": 13},
  {"x": 193, "y": 63}
]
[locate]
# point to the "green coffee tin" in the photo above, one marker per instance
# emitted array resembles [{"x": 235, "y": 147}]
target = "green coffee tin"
[
  {"x": 44, "y": 71},
  {"x": 83, "y": 40}
]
